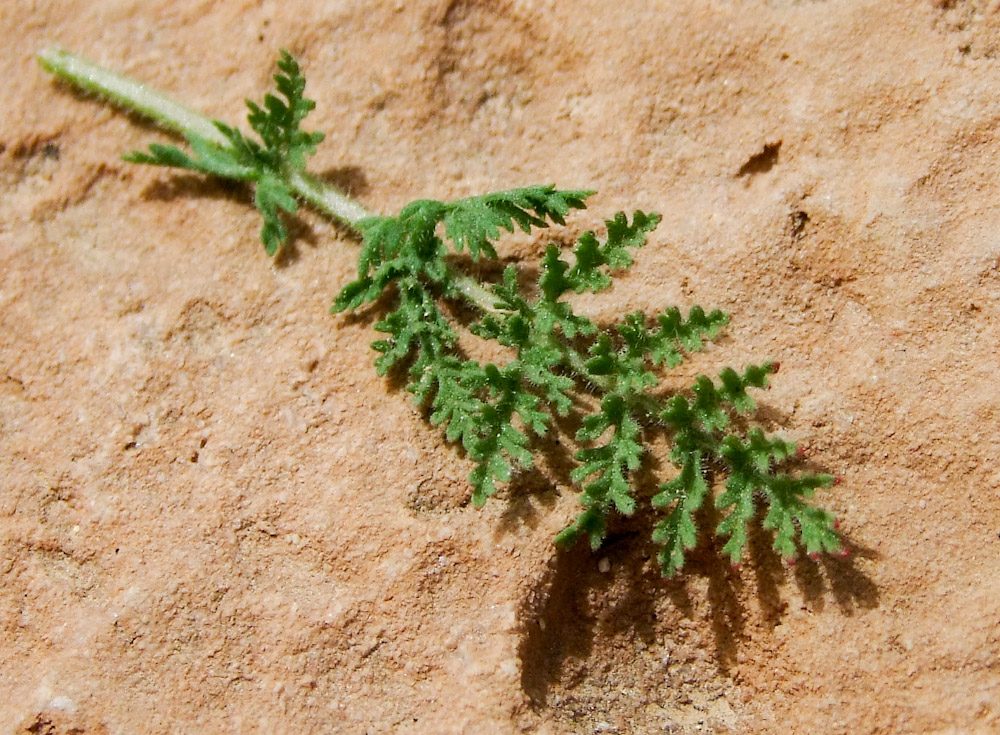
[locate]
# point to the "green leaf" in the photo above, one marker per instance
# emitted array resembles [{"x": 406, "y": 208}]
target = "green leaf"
[
  {"x": 283, "y": 148},
  {"x": 539, "y": 365},
  {"x": 456, "y": 403},
  {"x": 477, "y": 405},
  {"x": 734, "y": 386},
  {"x": 277, "y": 122},
  {"x": 751, "y": 464},
  {"x": 475, "y": 223},
  {"x": 610, "y": 465},
  {"x": 739, "y": 499},
  {"x": 684, "y": 495},
  {"x": 677, "y": 334},
  {"x": 382, "y": 240},
  {"x": 592, "y": 256},
  {"x": 417, "y": 333},
  {"x": 273, "y": 194}
]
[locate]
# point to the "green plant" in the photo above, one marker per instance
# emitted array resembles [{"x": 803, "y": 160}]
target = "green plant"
[{"x": 562, "y": 367}]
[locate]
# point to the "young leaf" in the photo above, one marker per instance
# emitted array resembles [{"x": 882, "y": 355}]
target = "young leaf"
[
  {"x": 282, "y": 149},
  {"x": 277, "y": 123},
  {"x": 476, "y": 222},
  {"x": 592, "y": 256},
  {"x": 677, "y": 532}
]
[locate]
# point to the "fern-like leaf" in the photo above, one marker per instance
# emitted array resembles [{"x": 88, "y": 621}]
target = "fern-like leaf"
[
  {"x": 478, "y": 405},
  {"x": 677, "y": 335},
  {"x": 416, "y": 324},
  {"x": 475, "y": 223},
  {"x": 282, "y": 149},
  {"x": 588, "y": 274},
  {"x": 751, "y": 464},
  {"x": 610, "y": 464},
  {"x": 684, "y": 495},
  {"x": 285, "y": 145},
  {"x": 739, "y": 500}
]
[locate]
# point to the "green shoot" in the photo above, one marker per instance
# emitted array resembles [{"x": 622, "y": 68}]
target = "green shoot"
[
  {"x": 270, "y": 163},
  {"x": 495, "y": 412}
]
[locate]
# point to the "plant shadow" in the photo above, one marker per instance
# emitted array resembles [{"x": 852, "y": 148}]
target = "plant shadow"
[
  {"x": 198, "y": 186},
  {"x": 578, "y": 606},
  {"x": 562, "y": 626},
  {"x": 349, "y": 180}
]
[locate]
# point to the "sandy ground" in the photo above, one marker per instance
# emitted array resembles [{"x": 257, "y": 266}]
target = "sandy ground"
[{"x": 216, "y": 518}]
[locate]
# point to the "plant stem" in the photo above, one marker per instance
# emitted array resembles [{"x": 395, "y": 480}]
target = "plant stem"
[
  {"x": 177, "y": 118},
  {"x": 130, "y": 94},
  {"x": 476, "y": 294},
  {"x": 327, "y": 199}
]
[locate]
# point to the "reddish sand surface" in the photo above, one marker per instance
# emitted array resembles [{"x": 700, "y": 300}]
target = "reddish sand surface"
[{"x": 215, "y": 517}]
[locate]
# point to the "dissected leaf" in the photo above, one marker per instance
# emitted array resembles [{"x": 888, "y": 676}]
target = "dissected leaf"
[
  {"x": 282, "y": 148},
  {"x": 475, "y": 223},
  {"x": 556, "y": 356}
]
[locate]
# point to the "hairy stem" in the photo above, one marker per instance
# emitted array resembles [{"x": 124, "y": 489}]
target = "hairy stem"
[
  {"x": 476, "y": 294},
  {"x": 327, "y": 199},
  {"x": 177, "y": 118},
  {"x": 130, "y": 94},
  {"x": 171, "y": 115}
]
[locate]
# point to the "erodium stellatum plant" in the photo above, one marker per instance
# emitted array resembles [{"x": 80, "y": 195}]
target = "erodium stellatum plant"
[{"x": 564, "y": 370}]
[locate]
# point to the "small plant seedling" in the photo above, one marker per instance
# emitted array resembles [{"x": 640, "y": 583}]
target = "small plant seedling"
[{"x": 561, "y": 361}]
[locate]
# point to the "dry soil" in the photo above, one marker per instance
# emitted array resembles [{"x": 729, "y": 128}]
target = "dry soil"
[{"x": 216, "y": 518}]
